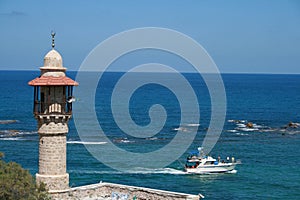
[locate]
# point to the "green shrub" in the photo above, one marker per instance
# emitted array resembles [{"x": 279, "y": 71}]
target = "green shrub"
[{"x": 17, "y": 183}]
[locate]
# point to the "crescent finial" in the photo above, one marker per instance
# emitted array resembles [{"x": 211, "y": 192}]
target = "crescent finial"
[{"x": 53, "y": 35}]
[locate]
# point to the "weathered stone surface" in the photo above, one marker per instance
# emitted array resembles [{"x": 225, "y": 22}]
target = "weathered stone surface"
[
  {"x": 109, "y": 191},
  {"x": 52, "y": 155},
  {"x": 53, "y": 128},
  {"x": 53, "y": 65},
  {"x": 54, "y": 182}
]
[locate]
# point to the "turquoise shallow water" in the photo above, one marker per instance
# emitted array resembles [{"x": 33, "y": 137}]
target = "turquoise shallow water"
[{"x": 269, "y": 152}]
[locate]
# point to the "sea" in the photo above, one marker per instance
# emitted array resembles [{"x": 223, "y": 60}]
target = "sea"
[{"x": 261, "y": 129}]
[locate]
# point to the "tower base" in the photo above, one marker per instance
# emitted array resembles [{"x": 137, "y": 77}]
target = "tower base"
[{"x": 54, "y": 182}]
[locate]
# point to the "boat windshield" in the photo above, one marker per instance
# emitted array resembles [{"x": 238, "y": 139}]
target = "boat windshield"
[
  {"x": 192, "y": 164},
  {"x": 211, "y": 163}
]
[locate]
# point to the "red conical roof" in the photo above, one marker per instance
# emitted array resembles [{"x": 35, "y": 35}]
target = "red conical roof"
[{"x": 51, "y": 80}]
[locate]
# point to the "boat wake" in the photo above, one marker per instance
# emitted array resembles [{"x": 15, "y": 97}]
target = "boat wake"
[
  {"x": 231, "y": 172},
  {"x": 162, "y": 171},
  {"x": 157, "y": 171},
  {"x": 134, "y": 171}
]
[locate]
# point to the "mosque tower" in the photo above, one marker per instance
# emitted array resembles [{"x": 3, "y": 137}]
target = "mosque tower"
[{"x": 52, "y": 109}]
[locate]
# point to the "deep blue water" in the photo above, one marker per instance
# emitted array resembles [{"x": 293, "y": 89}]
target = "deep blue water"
[{"x": 269, "y": 152}]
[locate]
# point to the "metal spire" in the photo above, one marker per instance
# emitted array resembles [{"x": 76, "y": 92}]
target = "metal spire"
[{"x": 53, "y": 34}]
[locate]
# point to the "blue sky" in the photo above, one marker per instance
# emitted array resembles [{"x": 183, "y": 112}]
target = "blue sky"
[{"x": 255, "y": 36}]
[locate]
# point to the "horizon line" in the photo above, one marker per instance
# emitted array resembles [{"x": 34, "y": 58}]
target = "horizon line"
[{"x": 192, "y": 72}]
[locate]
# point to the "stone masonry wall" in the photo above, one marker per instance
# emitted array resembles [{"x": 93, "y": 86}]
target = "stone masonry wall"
[
  {"x": 54, "y": 182},
  {"x": 52, "y": 162},
  {"x": 52, "y": 155}
]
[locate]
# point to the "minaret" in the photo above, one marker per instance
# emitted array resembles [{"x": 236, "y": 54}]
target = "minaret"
[{"x": 52, "y": 110}]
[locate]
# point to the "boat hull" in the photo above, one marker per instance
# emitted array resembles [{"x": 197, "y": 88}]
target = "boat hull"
[{"x": 206, "y": 169}]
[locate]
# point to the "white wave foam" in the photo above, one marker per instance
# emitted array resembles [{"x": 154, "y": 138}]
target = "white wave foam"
[
  {"x": 16, "y": 132},
  {"x": 136, "y": 171},
  {"x": 236, "y": 121},
  {"x": 241, "y": 125},
  {"x": 242, "y": 134},
  {"x": 82, "y": 142},
  {"x": 144, "y": 171},
  {"x": 232, "y": 131},
  {"x": 152, "y": 138},
  {"x": 248, "y": 129},
  {"x": 27, "y": 132},
  {"x": 8, "y": 121},
  {"x": 192, "y": 125},
  {"x": 290, "y": 132},
  {"x": 232, "y": 172},
  {"x": 156, "y": 171},
  {"x": 293, "y": 132},
  {"x": 182, "y": 129},
  {"x": 11, "y": 138},
  {"x": 123, "y": 141},
  {"x": 258, "y": 126}
]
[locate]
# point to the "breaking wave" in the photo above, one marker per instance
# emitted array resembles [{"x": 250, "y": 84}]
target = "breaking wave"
[
  {"x": 242, "y": 134},
  {"x": 11, "y": 138},
  {"x": 8, "y": 121},
  {"x": 82, "y": 142},
  {"x": 191, "y": 124},
  {"x": 246, "y": 126},
  {"x": 17, "y": 135},
  {"x": 123, "y": 140}
]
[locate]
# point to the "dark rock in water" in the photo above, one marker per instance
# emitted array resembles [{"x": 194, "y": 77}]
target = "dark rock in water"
[
  {"x": 249, "y": 125},
  {"x": 293, "y": 125},
  {"x": 243, "y": 125},
  {"x": 7, "y": 121}
]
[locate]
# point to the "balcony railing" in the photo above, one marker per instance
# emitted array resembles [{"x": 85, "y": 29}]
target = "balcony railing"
[{"x": 42, "y": 108}]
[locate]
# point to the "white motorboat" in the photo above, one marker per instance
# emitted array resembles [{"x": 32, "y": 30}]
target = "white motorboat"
[{"x": 199, "y": 163}]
